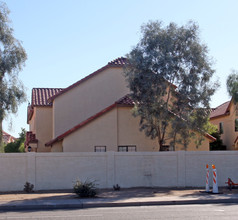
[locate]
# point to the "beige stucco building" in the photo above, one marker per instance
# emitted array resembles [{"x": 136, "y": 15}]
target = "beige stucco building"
[
  {"x": 225, "y": 117},
  {"x": 93, "y": 114}
]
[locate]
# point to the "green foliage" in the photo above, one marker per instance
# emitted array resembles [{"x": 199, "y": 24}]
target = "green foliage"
[
  {"x": 21, "y": 149},
  {"x": 85, "y": 189},
  {"x": 210, "y": 128},
  {"x": 28, "y": 187},
  {"x": 11, "y": 147},
  {"x": 217, "y": 145},
  {"x": 12, "y": 59},
  {"x": 166, "y": 56},
  {"x": 116, "y": 187},
  {"x": 232, "y": 85},
  {"x": 17, "y": 146}
]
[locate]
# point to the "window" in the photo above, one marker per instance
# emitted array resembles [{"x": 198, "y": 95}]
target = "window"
[
  {"x": 164, "y": 148},
  {"x": 221, "y": 130},
  {"x": 129, "y": 148},
  {"x": 236, "y": 124},
  {"x": 100, "y": 149}
]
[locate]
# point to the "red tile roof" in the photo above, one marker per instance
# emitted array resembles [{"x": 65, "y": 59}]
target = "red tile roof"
[
  {"x": 41, "y": 95},
  {"x": 119, "y": 62},
  {"x": 221, "y": 110},
  {"x": 7, "y": 138},
  {"x": 126, "y": 100}
]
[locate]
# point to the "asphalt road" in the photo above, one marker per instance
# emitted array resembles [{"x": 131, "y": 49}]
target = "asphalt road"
[{"x": 194, "y": 212}]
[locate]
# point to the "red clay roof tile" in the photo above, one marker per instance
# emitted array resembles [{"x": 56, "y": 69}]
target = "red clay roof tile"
[
  {"x": 126, "y": 100},
  {"x": 118, "y": 62},
  {"x": 221, "y": 110},
  {"x": 41, "y": 95}
]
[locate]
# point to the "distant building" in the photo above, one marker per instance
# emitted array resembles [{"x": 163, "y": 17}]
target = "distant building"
[
  {"x": 7, "y": 138},
  {"x": 225, "y": 117}
]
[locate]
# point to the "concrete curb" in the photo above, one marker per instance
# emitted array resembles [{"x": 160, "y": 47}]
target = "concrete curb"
[{"x": 82, "y": 205}]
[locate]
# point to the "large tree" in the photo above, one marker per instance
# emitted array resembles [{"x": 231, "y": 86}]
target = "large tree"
[
  {"x": 232, "y": 85},
  {"x": 169, "y": 74},
  {"x": 12, "y": 59}
]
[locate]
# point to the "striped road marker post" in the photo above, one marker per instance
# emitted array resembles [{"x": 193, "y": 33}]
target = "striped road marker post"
[
  {"x": 207, "y": 179},
  {"x": 215, "y": 185}
]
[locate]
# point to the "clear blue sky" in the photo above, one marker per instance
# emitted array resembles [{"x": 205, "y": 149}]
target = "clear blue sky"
[{"x": 68, "y": 39}]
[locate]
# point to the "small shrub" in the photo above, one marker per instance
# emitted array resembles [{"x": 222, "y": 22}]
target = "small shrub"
[
  {"x": 116, "y": 187},
  {"x": 28, "y": 187},
  {"x": 85, "y": 189}
]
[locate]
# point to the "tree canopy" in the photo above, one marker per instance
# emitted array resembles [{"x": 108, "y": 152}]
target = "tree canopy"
[
  {"x": 169, "y": 75},
  {"x": 12, "y": 59},
  {"x": 232, "y": 85},
  {"x": 18, "y": 145}
]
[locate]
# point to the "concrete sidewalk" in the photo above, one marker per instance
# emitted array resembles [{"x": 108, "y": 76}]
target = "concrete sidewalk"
[{"x": 110, "y": 198}]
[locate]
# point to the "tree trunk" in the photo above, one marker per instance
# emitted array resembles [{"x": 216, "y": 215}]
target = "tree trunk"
[
  {"x": 1, "y": 137},
  {"x": 160, "y": 145}
]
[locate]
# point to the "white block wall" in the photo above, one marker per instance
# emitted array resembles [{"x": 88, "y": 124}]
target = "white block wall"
[{"x": 128, "y": 169}]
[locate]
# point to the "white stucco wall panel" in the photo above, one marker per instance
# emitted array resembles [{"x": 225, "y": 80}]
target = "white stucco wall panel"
[
  {"x": 146, "y": 169},
  {"x": 61, "y": 171},
  {"x": 13, "y": 171}
]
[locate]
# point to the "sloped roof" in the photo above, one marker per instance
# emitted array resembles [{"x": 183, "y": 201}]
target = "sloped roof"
[
  {"x": 124, "y": 101},
  {"x": 119, "y": 62},
  {"x": 41, "y": 95},
  {"x": 221, "y": 110}
]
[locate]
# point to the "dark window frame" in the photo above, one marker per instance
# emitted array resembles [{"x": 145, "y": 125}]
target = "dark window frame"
[
  {"x": 221, "y": 128},
  {"x": 127, "y": 147},
  {"x": 100, "y": 148}
]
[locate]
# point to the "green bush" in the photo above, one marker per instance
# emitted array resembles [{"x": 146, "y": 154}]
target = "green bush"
[
  {"x": 116, "y": 187},
  {"x": 18, "y": 145},
  {"x": 85, "y": 189},
  {"x": 217, "y": 145},
  {"x": 28, "y": 187},
  {"x": 12, "y": 147}
]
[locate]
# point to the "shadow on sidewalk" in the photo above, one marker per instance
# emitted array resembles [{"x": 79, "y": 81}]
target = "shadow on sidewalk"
[{"x": 109, "y": 195}]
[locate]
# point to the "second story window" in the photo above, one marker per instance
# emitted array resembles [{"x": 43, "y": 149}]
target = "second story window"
[
  {"x": 221, "y": 129},
  {"x": 236, "y": 124}
]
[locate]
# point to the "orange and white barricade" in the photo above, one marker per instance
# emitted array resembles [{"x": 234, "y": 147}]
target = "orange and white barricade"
[
  {"x": 207, "y": 179},
  {"x": 215, "y": 184}
]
